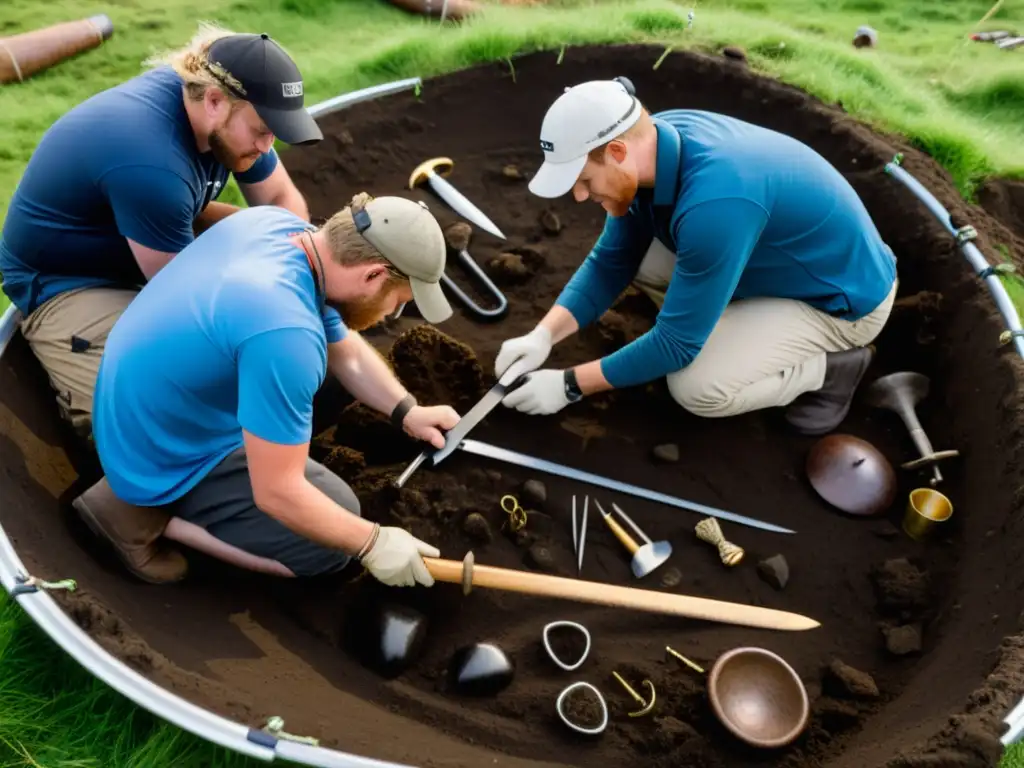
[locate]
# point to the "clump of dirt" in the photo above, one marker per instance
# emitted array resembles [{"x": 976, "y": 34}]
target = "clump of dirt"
[{"x": 250, "y": 647}]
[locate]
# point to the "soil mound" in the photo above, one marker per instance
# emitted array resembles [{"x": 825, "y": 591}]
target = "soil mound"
[{"x": 910, "y": 666}]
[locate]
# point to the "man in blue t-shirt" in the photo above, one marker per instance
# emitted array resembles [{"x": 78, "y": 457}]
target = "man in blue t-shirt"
[
  {"x": 770, "y": 277},
  {"x": 204, "y": 398},
  {"x": 122, "y": 182}
]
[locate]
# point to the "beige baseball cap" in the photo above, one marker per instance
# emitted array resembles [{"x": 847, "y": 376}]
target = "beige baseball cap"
[{"x": 407, "y": 235}]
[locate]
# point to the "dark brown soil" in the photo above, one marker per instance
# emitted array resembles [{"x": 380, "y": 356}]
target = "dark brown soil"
[{"x": 250, "y": 647}]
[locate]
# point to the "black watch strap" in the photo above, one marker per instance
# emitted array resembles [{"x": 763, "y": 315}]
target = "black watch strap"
[
  {"x": 572, "y": 387},
  {"x": 405, "y": 405}
]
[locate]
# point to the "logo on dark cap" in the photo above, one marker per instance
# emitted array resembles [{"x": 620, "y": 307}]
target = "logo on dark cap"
[
  {"x": 291, "y": 90},
  {"x": 547, "y": 146}
]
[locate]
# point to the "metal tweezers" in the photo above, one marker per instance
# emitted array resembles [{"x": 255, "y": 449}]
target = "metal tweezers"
[{"x": 579, "y": 534}]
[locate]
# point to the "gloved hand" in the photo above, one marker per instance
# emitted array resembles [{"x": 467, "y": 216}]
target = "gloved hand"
[
  {"x": 396, "y": 558},
  {"x": 542, "y": 393},
  {"x": 522, "y": 354}
]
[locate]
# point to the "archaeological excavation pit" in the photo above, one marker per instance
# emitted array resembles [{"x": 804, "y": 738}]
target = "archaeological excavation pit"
[{"x": 249, "y": 648}]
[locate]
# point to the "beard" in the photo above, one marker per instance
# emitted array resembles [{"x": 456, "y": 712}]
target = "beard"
[
  {"x": 622, "y": 191},
  {"x": 231, "y": 160},
  {"x": 360, "y": 314}
]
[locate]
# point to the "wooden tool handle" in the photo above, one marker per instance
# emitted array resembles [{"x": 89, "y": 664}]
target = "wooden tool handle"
[
  {"x": 442, "y": 166},
  {"x": 620, "y": 533},
  {"x": 544, "y": 585}
]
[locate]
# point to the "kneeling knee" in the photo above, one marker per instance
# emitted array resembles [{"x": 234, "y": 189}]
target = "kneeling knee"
[{"x": 699, "y": 396}]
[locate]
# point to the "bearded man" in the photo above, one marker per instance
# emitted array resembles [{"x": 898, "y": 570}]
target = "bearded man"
[
  {"x": 770, "y": 277},
  {"x": 123, "y": 181},
  {"x": 204, "y": 398}
]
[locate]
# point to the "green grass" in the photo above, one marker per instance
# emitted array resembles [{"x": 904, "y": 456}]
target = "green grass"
[{"x": 961, "y": 101}]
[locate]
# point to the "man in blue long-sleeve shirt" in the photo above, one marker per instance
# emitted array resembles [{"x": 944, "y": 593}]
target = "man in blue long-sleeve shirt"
[{"x": 770, "y": 276}]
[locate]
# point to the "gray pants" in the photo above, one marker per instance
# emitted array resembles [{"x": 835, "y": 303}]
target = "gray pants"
[{"x": 222, "y": 503}]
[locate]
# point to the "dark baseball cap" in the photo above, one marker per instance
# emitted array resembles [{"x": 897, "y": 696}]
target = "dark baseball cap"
[{"x": 255, "y": 68}]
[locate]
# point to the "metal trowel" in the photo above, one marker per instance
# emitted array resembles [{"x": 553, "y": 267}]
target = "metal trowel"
[{"x": 646, "y": 557}]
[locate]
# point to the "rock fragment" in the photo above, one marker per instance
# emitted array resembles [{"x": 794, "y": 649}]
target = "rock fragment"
[
  {"x": 550, "y": 222},
  {"x": 667, "y": 453},
  {"x": 476, "y": 527},
  {"x": 842, "y": 680},
  {"x": 539, "y": 556},
  {"x": 775, "y": 571},
  {"x": 902, "y": 641},
  {"x": 534, "y": 493}
]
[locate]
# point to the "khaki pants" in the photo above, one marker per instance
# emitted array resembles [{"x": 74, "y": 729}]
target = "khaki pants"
[
  {"x": 763, "y": 352},
  {"x": 68, "y": 334}
]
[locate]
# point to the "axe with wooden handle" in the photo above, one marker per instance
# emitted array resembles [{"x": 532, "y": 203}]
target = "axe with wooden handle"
[{"x": 469, "y": 575}]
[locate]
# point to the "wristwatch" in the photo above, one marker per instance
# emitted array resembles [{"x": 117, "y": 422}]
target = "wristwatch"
[{"x": 573, "y": 393}]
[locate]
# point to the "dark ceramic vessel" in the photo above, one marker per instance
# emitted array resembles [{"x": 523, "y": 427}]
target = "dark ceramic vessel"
[{"x": 481, "y": 669}]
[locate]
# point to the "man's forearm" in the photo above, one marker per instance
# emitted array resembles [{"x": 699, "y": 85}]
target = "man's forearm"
[
  {"x": 211, "y": 214},
  {"x": 365, "y": 374},
  {"x": 292, "y": 200},
  {"x": 305, "y": 509}
]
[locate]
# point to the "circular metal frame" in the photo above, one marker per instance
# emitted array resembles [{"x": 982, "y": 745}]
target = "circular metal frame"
[
  {"x": 551, "y": 652},
  {"x": 576, "y": 727}
]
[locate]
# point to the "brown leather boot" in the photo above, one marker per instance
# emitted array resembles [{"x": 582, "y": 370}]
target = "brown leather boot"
[
  {"x": 821, "y": 411},
  {"x": 133, "y": 532}
]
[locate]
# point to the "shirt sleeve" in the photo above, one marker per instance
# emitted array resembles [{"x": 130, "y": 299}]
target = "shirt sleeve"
[
  {"x": 714, "y": 242},
  {"x": 261, "y": 169},
  {"x": 152, "y": 206},
  {"x": 334, "y": 327},
  {"x": 279, "y": 372},
  {"x": 608, "y": 268}
]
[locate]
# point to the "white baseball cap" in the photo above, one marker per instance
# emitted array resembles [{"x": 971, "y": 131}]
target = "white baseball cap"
[
  {"x": 407, "y": 235},
  {"x": 584, "y": 117}
]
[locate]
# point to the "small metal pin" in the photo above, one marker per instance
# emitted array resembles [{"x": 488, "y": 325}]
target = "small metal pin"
[
  {"x": 686, "y": 661},
  {"x": 646, "y": 706}
]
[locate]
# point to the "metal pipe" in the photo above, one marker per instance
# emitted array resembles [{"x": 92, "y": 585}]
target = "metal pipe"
[
  {"x": 345, "y": 100},
  {"x": 8, "y": 326},
  {"x": 974, "y": 257}
]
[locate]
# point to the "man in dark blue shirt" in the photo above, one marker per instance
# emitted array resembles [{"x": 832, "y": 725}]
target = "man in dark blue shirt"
[
  {"x": 122, "y": 182},
  {"x": 770, "y": 277}
]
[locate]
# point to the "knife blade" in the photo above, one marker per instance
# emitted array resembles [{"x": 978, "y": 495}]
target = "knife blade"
[
  {"x": 461, "y": 204},
  {"x": 457, "y": 434}
]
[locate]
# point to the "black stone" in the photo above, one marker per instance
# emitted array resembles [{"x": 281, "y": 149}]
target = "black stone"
[
  {"x": 482, "y": 669},
  {"x": 391, "y": 639}
]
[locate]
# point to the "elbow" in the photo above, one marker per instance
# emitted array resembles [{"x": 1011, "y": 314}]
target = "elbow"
[{"x": 276, "y": 495}]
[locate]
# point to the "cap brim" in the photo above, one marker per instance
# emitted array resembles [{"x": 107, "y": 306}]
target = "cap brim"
[
  {"x": 430, "y": 301},
  {"x": 555, "y": 179},
  {"x": 292, "y": 126}
]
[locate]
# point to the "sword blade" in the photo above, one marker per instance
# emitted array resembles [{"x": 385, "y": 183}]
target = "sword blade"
[
  {"x": 461, "y": 205},
  {"x": 532, "y": 462}
]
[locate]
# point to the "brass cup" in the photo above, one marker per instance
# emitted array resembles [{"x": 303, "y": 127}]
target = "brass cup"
[{"x": 925, "y": 509}]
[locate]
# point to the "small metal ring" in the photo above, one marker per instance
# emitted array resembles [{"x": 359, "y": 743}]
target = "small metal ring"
[
  {"x": 579, "y": 728},
  {"x": 551, "y": 653}
]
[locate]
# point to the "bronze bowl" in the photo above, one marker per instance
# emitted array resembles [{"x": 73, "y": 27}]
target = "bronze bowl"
[
  {"x": 851, "y": 475},
  {"x": 758, "y": 697}
]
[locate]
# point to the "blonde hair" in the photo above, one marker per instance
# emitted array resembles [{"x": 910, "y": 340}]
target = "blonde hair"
[
  {"x": 348, "y": 247},
  {"x": 192, "y": 65}
]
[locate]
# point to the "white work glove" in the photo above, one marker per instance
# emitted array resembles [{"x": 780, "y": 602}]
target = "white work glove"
[
  {"x": 396, "y": 558},
  {"x": 526, "y": 352},
  {"x": 542, "y": 393}
]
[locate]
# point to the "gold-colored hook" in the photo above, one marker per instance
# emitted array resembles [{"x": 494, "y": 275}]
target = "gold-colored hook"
[
  {"x": 686, "y": 661},
  {"x": 442, "y": 166},
  {"x": 516, "y": 514},
  {"x": 647, "y": 706}
]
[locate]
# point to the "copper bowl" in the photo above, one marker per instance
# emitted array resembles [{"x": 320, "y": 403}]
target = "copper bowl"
[{"x": 758, "y": 697}]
